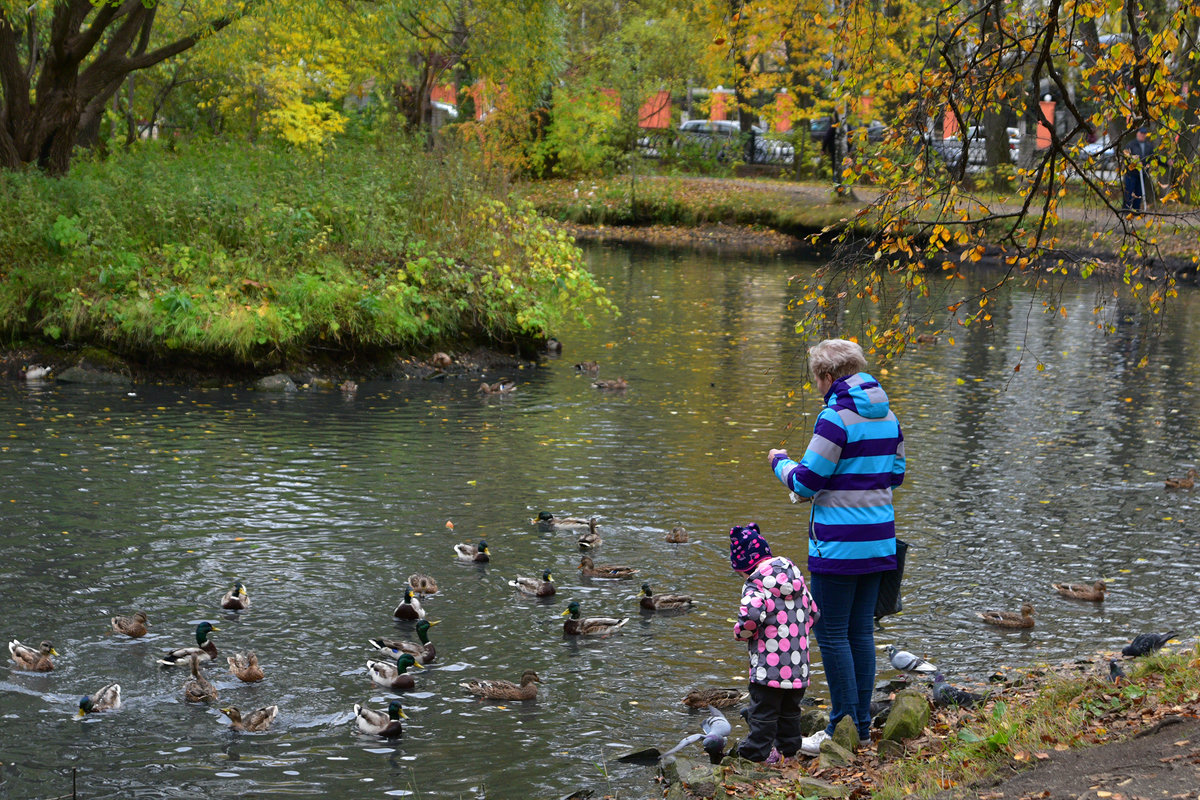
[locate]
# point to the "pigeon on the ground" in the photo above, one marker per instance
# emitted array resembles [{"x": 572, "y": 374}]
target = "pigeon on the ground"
[
  {"x": 907, "y": 662},
  {"x": 946, "y": 695},
  {"x": 1145, "y": 643},
  {"x": 716, "y": 729},
  {"x": 1115, "y": 672}
]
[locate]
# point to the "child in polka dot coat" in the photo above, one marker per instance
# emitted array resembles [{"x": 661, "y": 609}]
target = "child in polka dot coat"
[{"x": 775, "y": 619}]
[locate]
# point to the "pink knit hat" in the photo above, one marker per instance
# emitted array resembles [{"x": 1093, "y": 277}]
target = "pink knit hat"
[{"x": 747, "y": 547}]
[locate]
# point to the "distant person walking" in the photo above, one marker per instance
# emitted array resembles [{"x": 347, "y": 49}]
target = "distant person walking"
[
  {"x": 853, "y": 461},
  {"x": 1140, "y": 153}
]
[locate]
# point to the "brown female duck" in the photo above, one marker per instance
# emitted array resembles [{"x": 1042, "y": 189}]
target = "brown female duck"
[
  {"x": 245, "y": 666},
  {"x": 505, "y": 690},
  {"x": 715, "y": 697},
  {"x": 199, "y": 689},
  {"x": 1081, "y": 591},
  {"x": 133, "y": 626},
  {"x": 1009, "y": 619},
  {"x": 421, "y": 583},
  {"x": 591, "y": 570},
  {"x": 1186, "y": 482},
  {"x": 678, "y": 535},
  {"x": 257, "y": 720}
]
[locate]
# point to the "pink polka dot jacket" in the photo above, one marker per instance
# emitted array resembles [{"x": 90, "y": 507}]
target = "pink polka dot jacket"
[{"x": 775, "y": 620}]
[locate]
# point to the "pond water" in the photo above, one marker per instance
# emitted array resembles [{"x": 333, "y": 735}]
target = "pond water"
[{"x": 158, "y": 499}]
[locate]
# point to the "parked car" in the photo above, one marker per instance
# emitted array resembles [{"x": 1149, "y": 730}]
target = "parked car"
[
  {"x": 722, "y": 139},
  {"x": 950, "y": 148}
]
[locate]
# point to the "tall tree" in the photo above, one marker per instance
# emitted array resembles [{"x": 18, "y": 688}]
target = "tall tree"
[{"x": 61, "y": 62}]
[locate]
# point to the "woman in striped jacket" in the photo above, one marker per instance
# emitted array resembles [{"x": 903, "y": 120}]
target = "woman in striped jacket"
[{"x": 851, "y": 465}]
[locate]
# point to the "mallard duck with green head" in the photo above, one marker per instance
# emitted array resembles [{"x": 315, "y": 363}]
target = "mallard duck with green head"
[
  {"x": 236, "y": 598},
  {"x": 409, "y": 608},
  {"x": 393, "y": 676},
  {"x": 1009, "y": 619},
  {"x": 199, "y": 689},
  {"x": 256, "y": 721},
  {"x": 663, "y": 602},
  {"x": 548, "y": 521},
  {"x": 31, "y": 660},
  {"x": 505, "y": 690},
  {"x": 204, "y": 650},
  {"x": 592, "y": 570},
  {"x": 245, "y": 666},
  {"x": 424, "y": 652},
  {"x": 533, "y": 586},
  {"x": 106, "y": 698},
  {"x": 469, "y": 552},
  {"x": 133, "y": 626},
  {"x": 378, "y": 723},
  {"x": 589, "y": 626}
]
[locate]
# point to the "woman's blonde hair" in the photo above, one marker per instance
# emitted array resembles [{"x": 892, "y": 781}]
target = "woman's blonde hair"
[{"x": 836, "y": 358}]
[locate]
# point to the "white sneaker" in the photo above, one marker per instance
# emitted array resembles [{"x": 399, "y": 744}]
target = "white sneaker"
[{"x": 811, "y": 745}]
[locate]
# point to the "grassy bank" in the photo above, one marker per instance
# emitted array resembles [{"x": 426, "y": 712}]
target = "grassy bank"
[
  {"x": 249, "y": 255},
  {"x": 1035, "y": 714},
  {"x": 686, "y": 202}
]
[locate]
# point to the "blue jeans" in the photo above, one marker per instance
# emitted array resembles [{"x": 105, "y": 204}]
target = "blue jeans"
[{"x": 846, "y": 635}]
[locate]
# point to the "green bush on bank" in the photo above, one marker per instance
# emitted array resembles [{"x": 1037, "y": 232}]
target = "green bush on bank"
[{"x": 252, "y": 254}]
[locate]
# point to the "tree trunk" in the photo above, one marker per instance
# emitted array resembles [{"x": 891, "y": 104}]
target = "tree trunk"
[{"x": 76, "y": 75}]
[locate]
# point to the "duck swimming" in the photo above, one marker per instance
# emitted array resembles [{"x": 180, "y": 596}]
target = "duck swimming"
[
  {"x": 505, "y": 690},
  {"x": 106, "y": 698},
  {"x": 27, "y": 658},
  {"x": 377, "y": 723},
  {"x": 133, "y": 626},
  {"x": 591, "y": 537},
  {"x": 1081, "y": 591},
  {"x": 469, "y": 552},
  {"x": 393, "y": 676},
  {"x": 409, "y": 608},
  {"x": 199, "y": 689},
  {"x": 547, "y": 520},
  {"x": 1186, "y": 482},
  {"x": 425, "y": 652},
  {"x": 589, "y": 626},
  {"x": 678, "y": 535},
  {"x": 611, "y": 385},
  {"x": 245, "y": 666},
  {"x": 715, "y": 697},
  {"x": 1009, "y": 619},
  {"x": 591, "y": 570},
  {"x": 535, "y": 587},
  {"x": 236, "y": 598},
  {"x": 257, "y": 720},
  {"x": 204, "y": 650},
  {"x": 663, "y": 602},
  {"x": 422, "y": 583}
]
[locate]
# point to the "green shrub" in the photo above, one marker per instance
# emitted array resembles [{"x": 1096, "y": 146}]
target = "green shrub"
[{"x": 248, "y": 252}]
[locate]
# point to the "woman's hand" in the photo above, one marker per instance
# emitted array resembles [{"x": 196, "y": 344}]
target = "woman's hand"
[{"x": 772, "y": 453}]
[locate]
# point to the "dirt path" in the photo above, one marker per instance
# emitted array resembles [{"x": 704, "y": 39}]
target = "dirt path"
[{"x": 1163, "y": 761}]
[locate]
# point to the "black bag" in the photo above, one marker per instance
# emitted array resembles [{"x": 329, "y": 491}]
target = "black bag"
[{"x": 889, "y": 600}]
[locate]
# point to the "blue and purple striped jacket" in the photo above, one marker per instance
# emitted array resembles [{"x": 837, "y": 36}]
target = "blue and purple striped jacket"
[{"x": 855, "y": 458}]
